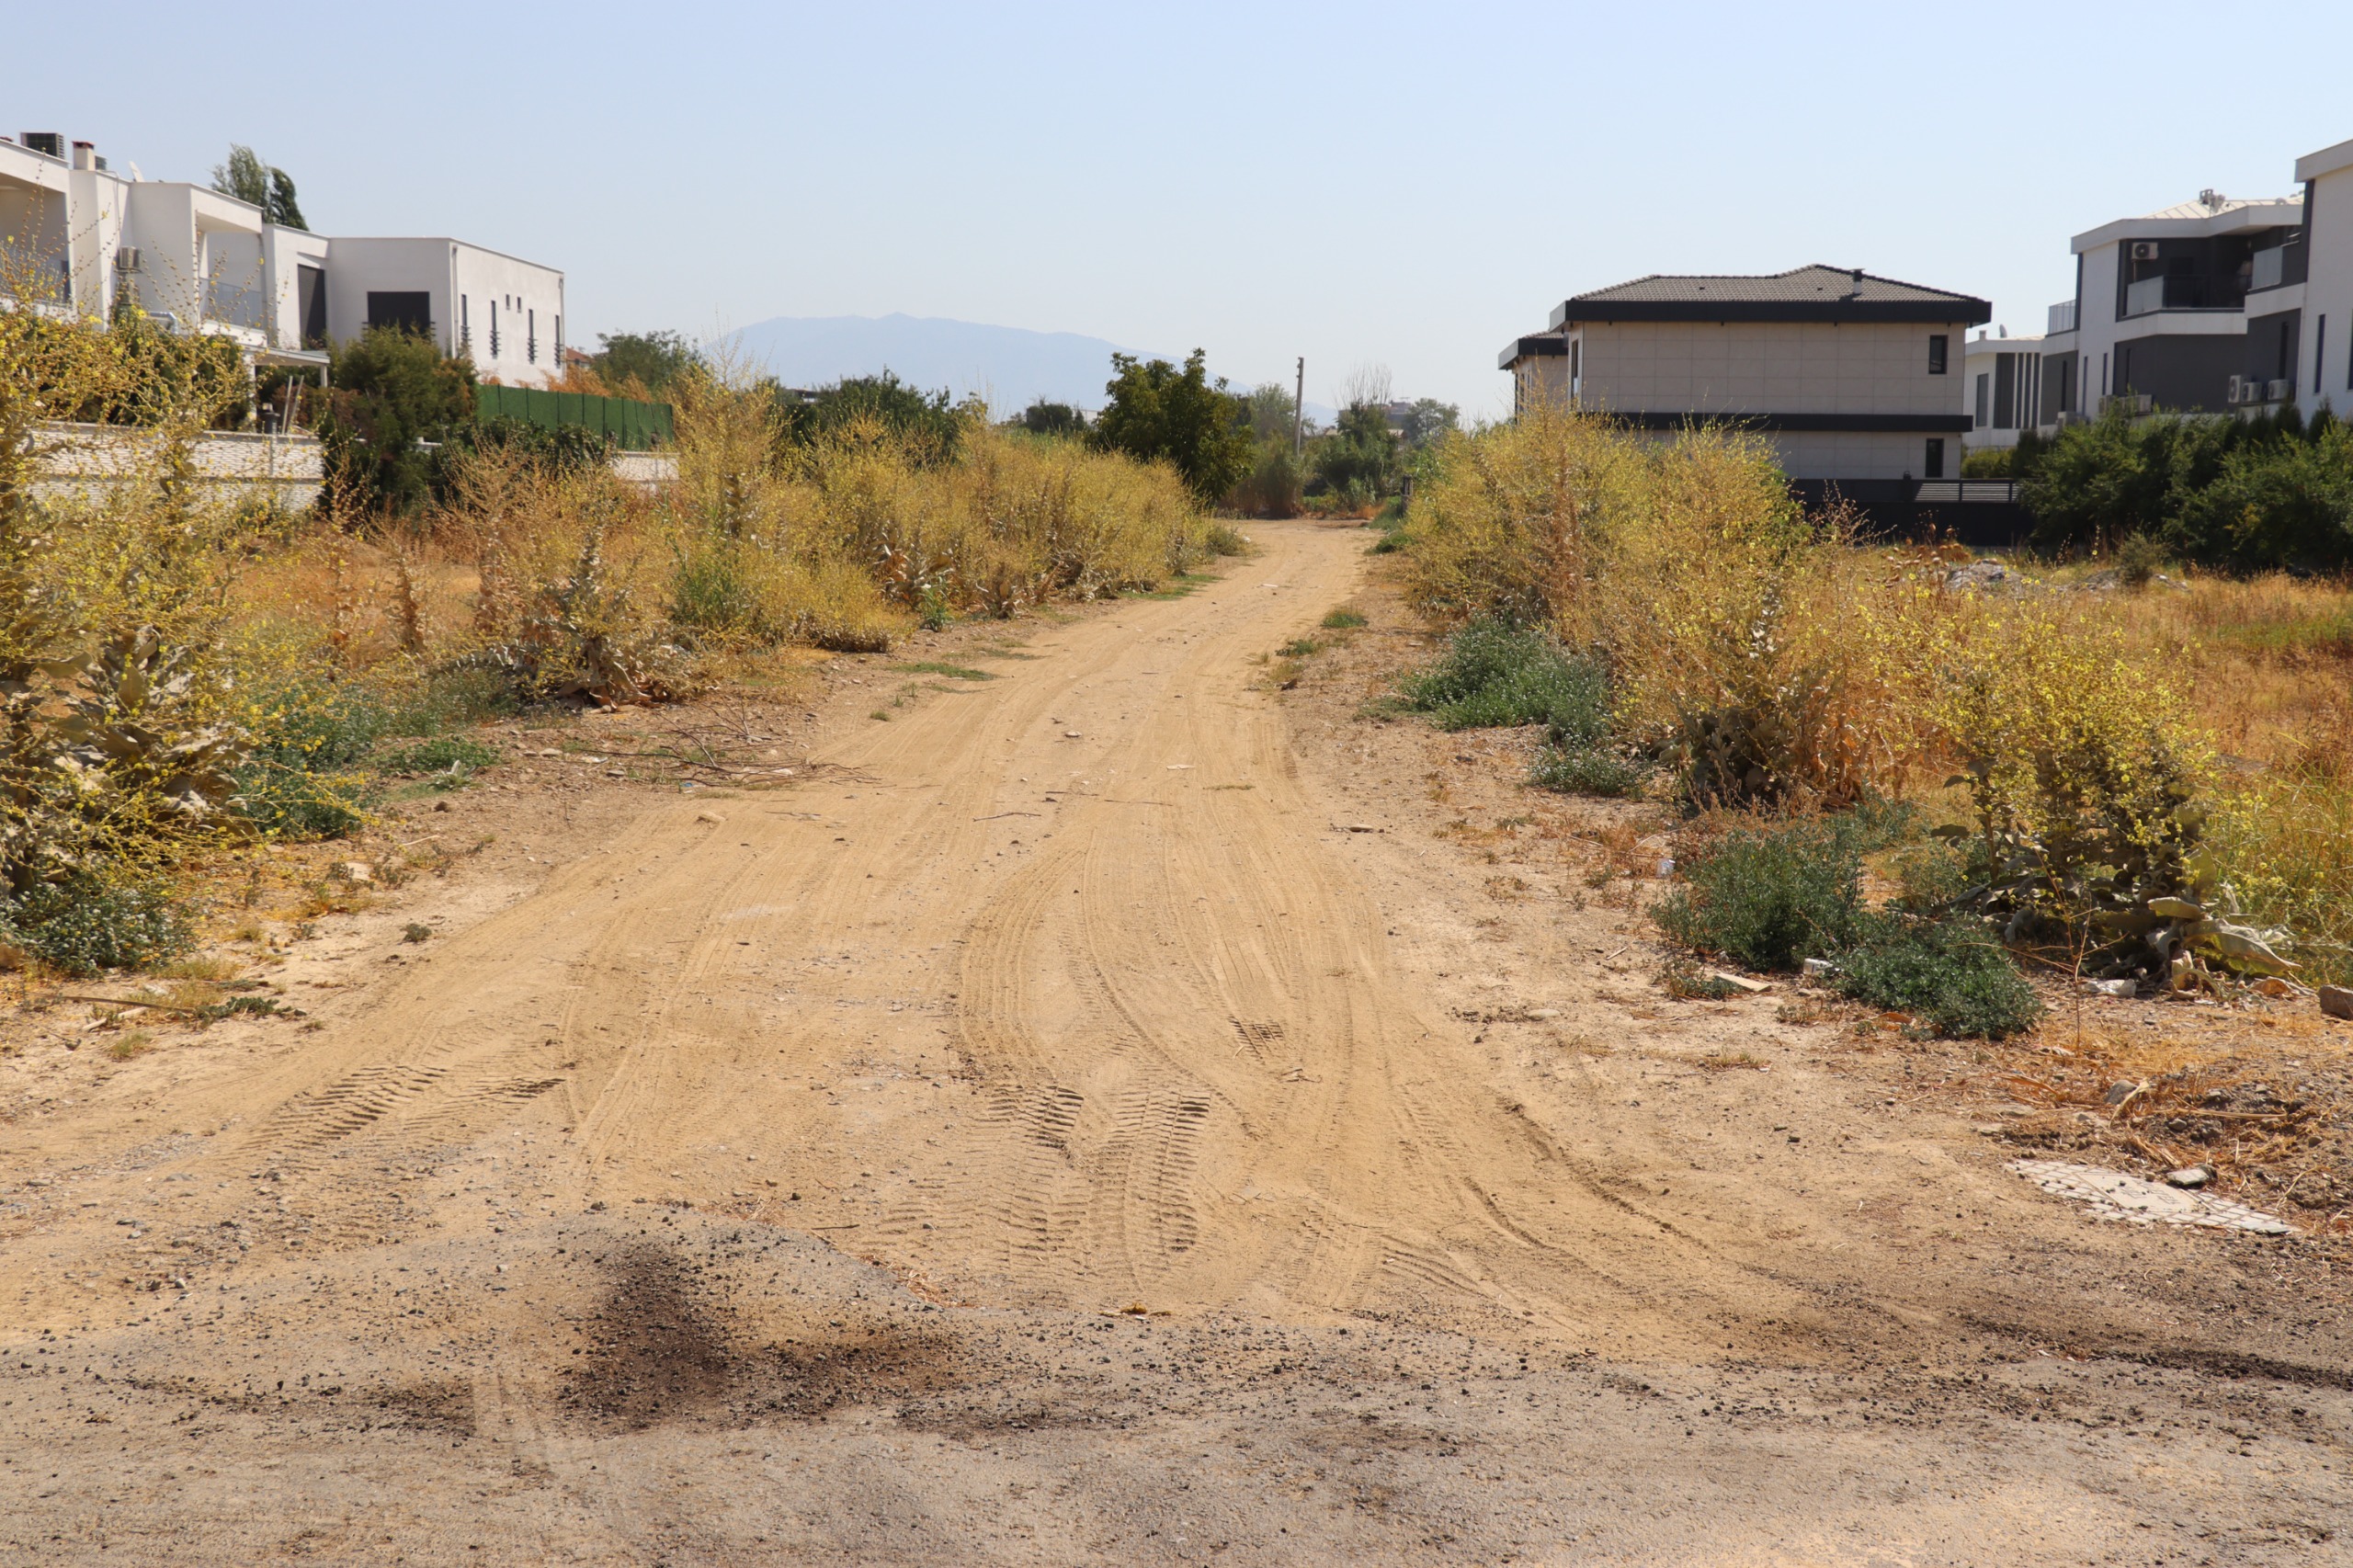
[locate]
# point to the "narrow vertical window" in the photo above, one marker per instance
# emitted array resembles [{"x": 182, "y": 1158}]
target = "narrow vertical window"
[
  {"x": 494, "y": 329},
  {"x": 1935, "y": 466},
  {"x": 1937, "y": 341},
  {"x": 2320, "y": 352},
  {"x": 465, "y": 322},
  {"x": 531, "y": 337},
  {"x": 1985, "y": 401},
  {"x": 1576, "y": 359}
]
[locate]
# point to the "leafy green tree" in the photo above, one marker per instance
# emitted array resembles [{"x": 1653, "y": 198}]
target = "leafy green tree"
[
  {"x": 654, "y": 360},
  {"x": 250, "y": 180},
  {"x": 1359, "y": 458},
  {"x": 1160, "y": 414},
  {"x": 1043, "y": 418},
  {"x": 1429, "y": 419},
  {"x": 928, "y": 422},
  {"x": 2286, "y": 501},
  {"x": 392, "y": 389},
  {"x": 1273, "y": 412}
]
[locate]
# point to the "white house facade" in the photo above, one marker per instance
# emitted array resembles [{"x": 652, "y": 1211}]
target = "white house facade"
[
  {"x": 1851, "y": 377},
  {"x": 2327, "y": 287},
  {"x": 2001, "y": 388},
  {"x": 90, "y": 237}
]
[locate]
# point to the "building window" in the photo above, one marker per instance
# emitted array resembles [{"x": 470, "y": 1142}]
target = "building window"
[
  {"x": 465, "y": 322},
  {"x": 531, "y": 337},
  {"x": 2320, "y": 352},
  {"x": 1575, "y": 359},
  {"x": 1984, "y": 399},
  {"x": 1934, "y": 467},
  {"x": 1937, "y": 341},
  {"x": 559, "y": 343},
  {"x": 494, "y": 329}
]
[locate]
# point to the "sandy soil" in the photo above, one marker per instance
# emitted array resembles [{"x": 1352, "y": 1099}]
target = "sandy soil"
[{"x": 1116, "y": 1111}]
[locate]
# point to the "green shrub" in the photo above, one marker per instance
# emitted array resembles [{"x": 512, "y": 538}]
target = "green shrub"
[
  {"x": 1771, "y": 899},
  {"x": 1585, "y": 770},
  {"x": 1496, "y": 675},
  {"x": 1953, "y": 973},
  {"x": 444, "y": 754},
  {"x": 1343, "y": 620},
  {"x": 1222, "y": 539},
  {"x": 86, "y": 926}
]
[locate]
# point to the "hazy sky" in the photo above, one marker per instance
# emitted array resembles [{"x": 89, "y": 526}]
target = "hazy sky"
[{"x": 1363, "y": 182}]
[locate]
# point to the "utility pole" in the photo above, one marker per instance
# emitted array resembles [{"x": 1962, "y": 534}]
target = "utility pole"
[{"x": 1298, "y": 412}]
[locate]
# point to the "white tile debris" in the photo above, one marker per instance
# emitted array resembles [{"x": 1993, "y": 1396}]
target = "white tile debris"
[{"x": 2112, "y": 1194}]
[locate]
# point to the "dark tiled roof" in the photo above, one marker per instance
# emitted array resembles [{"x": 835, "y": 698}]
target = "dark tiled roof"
[
  {"x": 1808, "y": 285},
  {"x": 1805, "y": 293}
]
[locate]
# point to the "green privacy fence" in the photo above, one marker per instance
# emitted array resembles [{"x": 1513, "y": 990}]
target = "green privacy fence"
[{"x": 634, "y": 426}]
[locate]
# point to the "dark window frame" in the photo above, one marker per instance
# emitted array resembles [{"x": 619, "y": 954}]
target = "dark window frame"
[
  {"x": 1933, "y": 462},
  {"x": 1940, "y": 353}
]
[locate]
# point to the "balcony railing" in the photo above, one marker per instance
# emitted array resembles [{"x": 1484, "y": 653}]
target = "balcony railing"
[
  {"x": 2279, "y": 265},
  {"x": 2185, "y": 293},
  {"x": 2062, "y": 318}
]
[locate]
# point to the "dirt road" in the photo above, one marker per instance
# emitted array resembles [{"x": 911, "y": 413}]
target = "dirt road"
[{"x": 1090, "y": 1120}]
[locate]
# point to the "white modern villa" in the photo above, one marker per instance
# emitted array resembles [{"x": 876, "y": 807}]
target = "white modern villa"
[
  {"x": 201, "y": 261},
  {"x": 2219, "y": 305}
]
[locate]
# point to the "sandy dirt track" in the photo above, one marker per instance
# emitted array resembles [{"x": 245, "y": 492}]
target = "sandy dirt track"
[{"x": 1057, "y": 1132}]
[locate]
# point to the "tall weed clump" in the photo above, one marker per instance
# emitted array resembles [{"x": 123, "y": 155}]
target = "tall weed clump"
[
  {"x": 117, "y": 749},
  {"x": 1740, "y": 645}
]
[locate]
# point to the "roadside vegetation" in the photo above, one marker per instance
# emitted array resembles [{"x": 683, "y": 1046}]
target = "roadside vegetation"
[
  {"x": 2097, "y": 776},
  {"x": 185, "y": 681}
]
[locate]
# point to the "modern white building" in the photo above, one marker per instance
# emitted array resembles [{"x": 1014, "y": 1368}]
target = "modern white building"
[
  {"x": 205, "y": 262},
  {"x": 2325, "y": 295},
  {"x": 2001, "y": 388},
  {"x": 2180, "y": 309},
  {"x": 1851, "y": 377}
]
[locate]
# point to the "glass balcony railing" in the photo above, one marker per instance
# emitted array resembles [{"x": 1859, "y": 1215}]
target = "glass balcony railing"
[
  {"x": 2183, "y": 293},
  {"x": 2279, "y": 265},
  {"x": 2062, "y": 318}
]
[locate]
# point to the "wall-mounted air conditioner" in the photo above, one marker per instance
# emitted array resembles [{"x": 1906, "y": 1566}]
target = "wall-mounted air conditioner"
[
  {"x": 2278, "y": 392},
  {"x": 2144, "y": 250},
  {"x": 126, "y": 260},
  {"x": 2236, "y": 394}
]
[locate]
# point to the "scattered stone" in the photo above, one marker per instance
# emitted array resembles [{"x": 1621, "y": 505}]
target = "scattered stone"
[
  {"x": 709, "y": 816},
  {"x": 2124, "y": 990},
  {"x": 2118, "y": 1094},
  {"x": 2272, "y": 985},
  {"x": 2336, "y": 1001},
  {"x": 2112, "y": 1194},
  {"x": 1741, "y": 981},
  {"x": 1980, "y": 576},
  {"x": 355, "y": 870},
  {"x": 1820, "y": 969},
  {"x": 2191, "y": 1176},
  {"x": 1071, "y": 736},
  {"x": 1362, "y": 827}
]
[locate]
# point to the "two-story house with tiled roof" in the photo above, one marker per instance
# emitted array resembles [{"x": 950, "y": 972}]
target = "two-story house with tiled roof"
[{"x": 1850, "y": 376}]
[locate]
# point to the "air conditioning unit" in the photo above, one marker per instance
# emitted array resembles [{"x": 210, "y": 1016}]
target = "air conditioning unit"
[
  {"x": 2278, "y": 392},
  {"x": 126, "y": 260},
  {"x": 2236, "y": 392},
  {"x": 2144, "y": 250}
]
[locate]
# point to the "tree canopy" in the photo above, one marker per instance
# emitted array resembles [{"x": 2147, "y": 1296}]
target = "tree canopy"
[
  {"x": 391, "y": 391},
  {"x": 264, "y": 186},
  {"x": 1044, "y": 418},
  {"x": 654, "y": 360},
  {"x": 925, "y": 420},
  {"x": 1160, "y": 414}
]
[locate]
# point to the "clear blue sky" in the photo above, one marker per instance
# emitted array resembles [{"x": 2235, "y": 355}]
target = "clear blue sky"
[{"x": 1361, "y": 182}]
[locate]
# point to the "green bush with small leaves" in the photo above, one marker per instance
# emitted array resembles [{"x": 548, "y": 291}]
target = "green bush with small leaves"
[
  {"x": 86, "y": 926},
  {"x": 1953, "y": 973},
  {"x": 1497, "y": 675}
]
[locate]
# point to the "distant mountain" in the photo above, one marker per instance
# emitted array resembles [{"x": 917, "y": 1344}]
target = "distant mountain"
[{"x": 1013, "y": 367}]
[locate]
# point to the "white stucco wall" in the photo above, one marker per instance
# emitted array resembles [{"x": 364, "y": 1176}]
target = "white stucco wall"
[{"x": 2329, "y": 282}]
